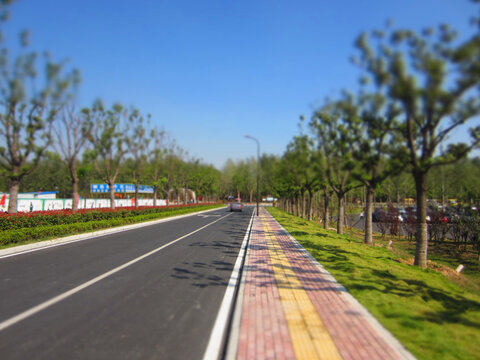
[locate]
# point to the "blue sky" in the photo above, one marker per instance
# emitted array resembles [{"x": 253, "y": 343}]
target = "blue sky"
[{"x": 211, "y": 71}]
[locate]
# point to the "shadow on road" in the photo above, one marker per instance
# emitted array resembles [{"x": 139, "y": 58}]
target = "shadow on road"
[{"x": 221, "y": 248}]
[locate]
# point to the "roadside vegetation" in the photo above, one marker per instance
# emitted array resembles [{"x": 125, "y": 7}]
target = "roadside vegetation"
[
  {"x": 435, "y": 313},
  {"x": 17, "y": 229},
  {"x": 389, "y": 139}
]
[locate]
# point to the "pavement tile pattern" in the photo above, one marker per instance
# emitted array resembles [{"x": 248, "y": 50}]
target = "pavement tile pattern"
[{"x": 292, "y": 308}]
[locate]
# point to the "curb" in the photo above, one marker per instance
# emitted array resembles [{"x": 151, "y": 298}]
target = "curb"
[{"x": 219, "y": 337}]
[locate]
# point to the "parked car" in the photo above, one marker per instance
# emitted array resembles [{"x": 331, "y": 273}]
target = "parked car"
[
  {"x": 236, "y": 206},
  {"x": 382, "y": 215},
  {"x": 379, "y": 215}
]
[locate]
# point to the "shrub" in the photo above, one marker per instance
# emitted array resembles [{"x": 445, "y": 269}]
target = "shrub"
[{"x": 22, "y": 228}]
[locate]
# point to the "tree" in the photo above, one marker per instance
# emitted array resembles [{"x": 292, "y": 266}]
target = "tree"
[
  {"x": 203, "y": 179},
  {"x": 371, "y": 121},
  {"x": 28, "y": 106},
  {"x": 71, "y": 130},
  {"x": 435, "y": 82},
  {"x": 285, "y": 185},
  {"x": 321, "y": 169},
  {"x": 334, "y": 141},
  {"x": 299, "y": 158},
  {"x": 49, "y": 175},
  {"x": 397, "y": 187},
  {"x": 317, "y": 165},
  {"x": 244, "y": 179},
  {"x": 156, "y": 160},
  {"x": 107, "y": 139},
  {"x": 137, "y": 142},
  {"x": 268, "y": 180},
  {"x": 176, "y": 171}
]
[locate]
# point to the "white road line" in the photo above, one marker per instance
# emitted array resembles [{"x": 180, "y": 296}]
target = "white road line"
[
  {"x": 215, "y": 342},
  {"x": 36, "y": 309},
  {"x": 37, "y": 246}
]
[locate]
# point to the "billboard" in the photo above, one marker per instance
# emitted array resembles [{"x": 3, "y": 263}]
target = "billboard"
[
  {"x": 145, "y": 189},
  {"x": 121, "y": 188}
]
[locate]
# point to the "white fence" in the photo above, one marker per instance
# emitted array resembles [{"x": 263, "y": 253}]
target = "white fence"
[{"x": 26, "y": 205}]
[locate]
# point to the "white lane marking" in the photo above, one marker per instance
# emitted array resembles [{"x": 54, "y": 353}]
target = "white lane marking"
[
  {"x": 32, "y": 311},
  {"x": 23, "y": 249},
  {"x": 215, "y": 342}
]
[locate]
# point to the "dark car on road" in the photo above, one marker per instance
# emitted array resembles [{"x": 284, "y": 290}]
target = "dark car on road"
[{"x": 236, "y": 206}]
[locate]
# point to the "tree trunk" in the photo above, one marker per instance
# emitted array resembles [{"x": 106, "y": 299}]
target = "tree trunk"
[
  {"x": 13, "y": 201},
  {"x": 326, "y": 208},
  {"x": 368, "y": 216},
  {"x": 74, "y": 193},
  {"x": 421, "y": 247},
  {"x": 341, "y": 212},
  {"x": 304, "y": 215},
  {"x": 73, "y": 174},
  {"x": 112, "y": 194},
  {"x": 155, "y": 194},
  {"x": 309, "y": 205},
  {"x": 136, "y": 193}
]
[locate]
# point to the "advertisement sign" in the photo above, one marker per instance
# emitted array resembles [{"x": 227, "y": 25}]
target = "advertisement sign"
[
  {"x": 145, "y": 189},
  {"x": 99, "y": 188},
  {"x": 119, "y": 188}
]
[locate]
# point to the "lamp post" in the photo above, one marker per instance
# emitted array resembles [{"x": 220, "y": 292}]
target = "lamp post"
[{"x": 258, "y": 169}]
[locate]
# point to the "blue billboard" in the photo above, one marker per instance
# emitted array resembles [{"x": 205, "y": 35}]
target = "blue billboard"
[
  {"x": 145, "y": 189},
  {"x": 121, "y": 188}
]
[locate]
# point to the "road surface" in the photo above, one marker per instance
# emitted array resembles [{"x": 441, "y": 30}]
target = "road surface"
[{"x": 149, "y": 293}]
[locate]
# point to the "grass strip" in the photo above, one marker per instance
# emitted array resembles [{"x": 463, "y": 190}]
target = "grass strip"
[
  {"x": 40, "y": 233},
  {"x": 434, "y": 317}
]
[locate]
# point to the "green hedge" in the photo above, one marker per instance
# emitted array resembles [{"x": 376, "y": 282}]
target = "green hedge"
[
  {"x": 61, "y": 217},
  {"x": 122, "y": 217}
]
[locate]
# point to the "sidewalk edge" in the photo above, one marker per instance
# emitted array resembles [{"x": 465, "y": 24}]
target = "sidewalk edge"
[{"x": 219, "y": 337}]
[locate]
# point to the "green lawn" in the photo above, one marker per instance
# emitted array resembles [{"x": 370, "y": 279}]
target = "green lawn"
[{"x": 433, "y": 316}]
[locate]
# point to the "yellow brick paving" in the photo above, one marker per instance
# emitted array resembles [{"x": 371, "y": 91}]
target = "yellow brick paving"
[{"x": 310, "y": 337}]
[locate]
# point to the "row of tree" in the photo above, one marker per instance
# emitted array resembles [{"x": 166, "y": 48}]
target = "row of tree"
[
  {"x": 416, "y": 89},
  {"x": 450, "y": 184},
  {"x": 40, "y": 127},
  {"x": 176, "y": 175}
]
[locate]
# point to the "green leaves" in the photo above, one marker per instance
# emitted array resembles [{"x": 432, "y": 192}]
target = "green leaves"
[{"x": 30, "y": 105}]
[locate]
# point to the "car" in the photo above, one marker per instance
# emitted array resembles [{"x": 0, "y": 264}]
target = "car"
[
  {"x": 236, "y": 206},
  {"x": 387, "y": 216},
  {"x": 379, "y": 215}
]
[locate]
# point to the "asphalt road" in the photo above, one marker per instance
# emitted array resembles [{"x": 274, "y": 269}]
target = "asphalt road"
[{"x": 121, "y": 296}]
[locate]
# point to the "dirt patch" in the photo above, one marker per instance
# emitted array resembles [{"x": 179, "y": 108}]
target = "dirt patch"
[{"x": 445, "y": 270}]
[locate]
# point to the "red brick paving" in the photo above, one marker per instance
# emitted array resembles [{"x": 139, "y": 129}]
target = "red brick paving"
[{"x": 264, "y": 332}]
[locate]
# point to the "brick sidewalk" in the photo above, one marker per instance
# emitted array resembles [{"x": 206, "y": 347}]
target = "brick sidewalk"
[{"x": 290, "y": 307}]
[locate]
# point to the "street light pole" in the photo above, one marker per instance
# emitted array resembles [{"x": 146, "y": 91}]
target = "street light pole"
[{"x": 258, "y": 169}]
